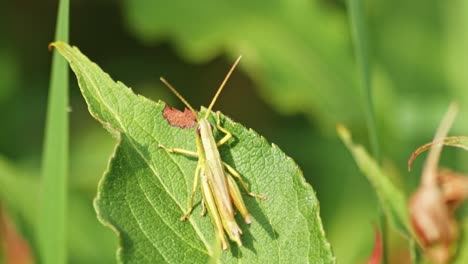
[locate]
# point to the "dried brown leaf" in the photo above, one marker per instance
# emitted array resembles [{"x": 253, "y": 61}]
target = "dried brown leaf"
[{"x": 432, "y": 219}]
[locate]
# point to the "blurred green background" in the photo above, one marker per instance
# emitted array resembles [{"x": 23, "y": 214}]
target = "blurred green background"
[{"x": 297, "y": 79}]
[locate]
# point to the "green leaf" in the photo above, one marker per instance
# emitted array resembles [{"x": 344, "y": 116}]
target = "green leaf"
[
  {"x": 391, "y": 198},
  {"x": 146, "y": 190},
  {"x": 53, "y": 195}
]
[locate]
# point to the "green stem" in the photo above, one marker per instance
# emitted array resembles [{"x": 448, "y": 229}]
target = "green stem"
[
  {"x": 384, "y": 234},
  {"x": 361, "y": 48}
]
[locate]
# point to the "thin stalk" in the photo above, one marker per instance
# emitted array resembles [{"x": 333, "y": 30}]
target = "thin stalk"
[
  {"x": 361, "y": 49},
  {"x": 53, "y": 194},
  {"x": 384, "y": 233}
]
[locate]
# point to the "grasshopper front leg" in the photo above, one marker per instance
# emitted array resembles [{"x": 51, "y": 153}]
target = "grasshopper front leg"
[
  {"x": 195, "y": 180},
  {"x": 222, "y": 129},
  {"x": 179, "y": 151}
]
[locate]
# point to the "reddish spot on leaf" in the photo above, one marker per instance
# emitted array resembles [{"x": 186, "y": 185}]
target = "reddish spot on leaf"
[
  {"x": 376, "y": 256},
  {"x": 177, "y": 118}
]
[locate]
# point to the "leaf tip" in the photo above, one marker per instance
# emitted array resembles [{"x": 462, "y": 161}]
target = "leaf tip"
[
  {"x": 343, "y": 132},
  {"x": 54, "y": 44}
]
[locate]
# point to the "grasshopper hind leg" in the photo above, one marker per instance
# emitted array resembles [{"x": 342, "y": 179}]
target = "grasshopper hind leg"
[{"x": 235, "y": 174}]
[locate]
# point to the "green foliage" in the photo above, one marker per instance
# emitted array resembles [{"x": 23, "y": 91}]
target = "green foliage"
[
  {"x": 462, "y": 256},
  {"x": 294, "y": 50},
  {"x": 358, "y": 25},
  {"x": 8, "y": 75},
  {"x": 88, "y": 241},
  {"x": 298, "y": 56},
  {"x": 361, "y": 47},
  {"x": 146, "y": 190},
  {"x": 391, "y": 198},
  {"x": 53, "y": 203},
  {"x": 18, "y": 194}
]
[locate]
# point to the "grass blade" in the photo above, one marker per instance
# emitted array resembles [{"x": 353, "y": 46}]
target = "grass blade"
[
  {"x": 51, "y": 226},
  {"x": 361, "y": 48}
]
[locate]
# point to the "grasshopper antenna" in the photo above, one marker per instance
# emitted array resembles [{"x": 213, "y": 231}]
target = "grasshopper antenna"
[
  {"x": 178, "y": 96},
  {"x": 222, "y": 86}
]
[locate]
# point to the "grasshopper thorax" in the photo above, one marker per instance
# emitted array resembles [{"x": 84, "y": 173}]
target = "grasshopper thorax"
[{"x": 202, "y": 125}]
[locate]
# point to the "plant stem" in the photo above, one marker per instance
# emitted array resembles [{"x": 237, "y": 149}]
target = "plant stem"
[{"x": 361, "y": 48}]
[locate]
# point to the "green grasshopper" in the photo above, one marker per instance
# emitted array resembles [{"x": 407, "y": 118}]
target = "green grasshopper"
[{"x": 219, "y": 190}]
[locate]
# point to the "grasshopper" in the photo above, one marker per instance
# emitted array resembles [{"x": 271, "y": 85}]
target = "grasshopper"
[{"x": 219, "y": 190}]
